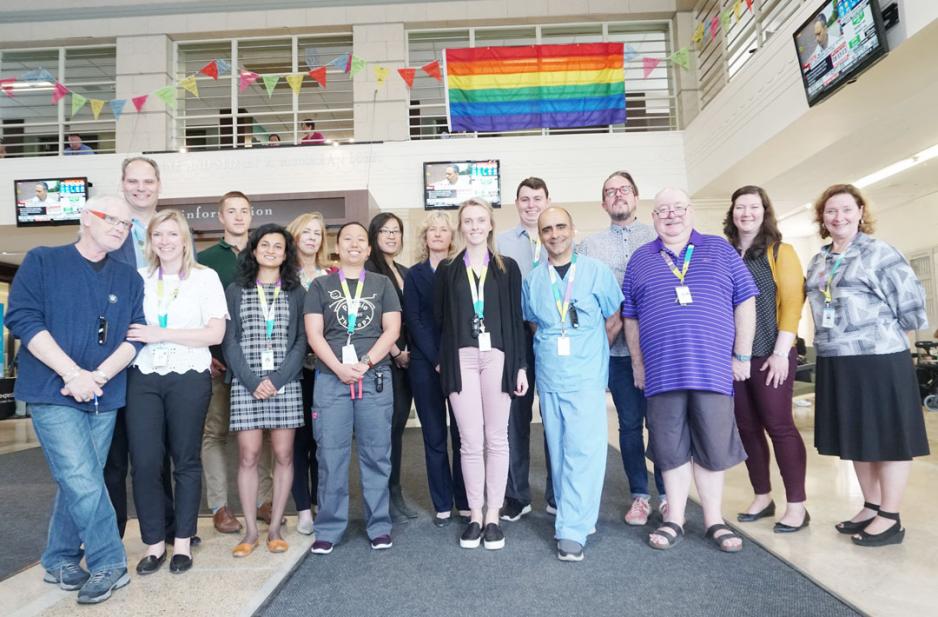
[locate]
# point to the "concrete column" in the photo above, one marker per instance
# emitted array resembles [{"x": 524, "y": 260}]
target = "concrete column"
[
  {"x": 686, "y": 84},
  {"x": 380, "y": 112},
  {"x": 144, "y": 64}
]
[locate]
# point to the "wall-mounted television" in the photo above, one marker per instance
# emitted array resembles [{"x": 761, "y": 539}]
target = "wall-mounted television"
[
  {"x": 841, "y": 40},
  {"x": 449, "y": 183},
  {"x": 50, "y": 201}
]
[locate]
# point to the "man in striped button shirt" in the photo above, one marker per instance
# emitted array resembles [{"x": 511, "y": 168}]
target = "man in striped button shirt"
[{"x": 689, "y": 314}]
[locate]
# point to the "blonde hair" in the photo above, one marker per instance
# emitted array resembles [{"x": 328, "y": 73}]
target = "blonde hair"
[
  {"x": 295, "y": 228},
  {"x": 490, "y": 241},
  {"x": 866, "y": 220},
  {"x": 185, "y": 236},
  {"x": 423, "y": 253}
]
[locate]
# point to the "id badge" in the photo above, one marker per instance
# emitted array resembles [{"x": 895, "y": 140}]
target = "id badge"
[
  {"x": 267, "y": 360},
  {"x": 349, "y": 355},
  {"x": 485, "y": 341},
  {"x": 160, "y": 356},
  {"x": 827, "y": 317},
  {"x": 563, "y": 346},
  {"x": 683, "y": 295}
]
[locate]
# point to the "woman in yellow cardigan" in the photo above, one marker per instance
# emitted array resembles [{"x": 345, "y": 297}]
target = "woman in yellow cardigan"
[{"x": 763, "y": 402}]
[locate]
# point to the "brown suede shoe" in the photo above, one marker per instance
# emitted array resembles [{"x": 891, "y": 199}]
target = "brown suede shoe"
[
  {"x": 225, "y": 522},
  {"x": 265, "y": 513}
]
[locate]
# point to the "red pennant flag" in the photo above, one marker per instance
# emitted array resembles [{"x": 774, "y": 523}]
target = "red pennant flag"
[
  {"x": 318, "y": 75},
  {"x": 58, "y": 92},
  {"x": 7, "y": 86},
  {"x": 139, "y": 102},
  {"x": 408, "y": 76},
  {"x": 433, "y": 70},
  {"x": 246, "y": 79},
  {"x": 649, "y": 64},
  {"x": 749, "y": 5},
  {"x": 210, "y": 69},
  {"x": 348, "y": 63},
  {"x": 714, "y": 27}
]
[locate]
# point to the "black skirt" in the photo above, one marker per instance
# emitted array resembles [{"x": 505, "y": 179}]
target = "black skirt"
[{"x": 867, "y": 408}]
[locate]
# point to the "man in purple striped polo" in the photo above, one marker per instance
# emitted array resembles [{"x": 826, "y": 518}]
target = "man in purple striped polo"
[{"x": 689, "y": 315}]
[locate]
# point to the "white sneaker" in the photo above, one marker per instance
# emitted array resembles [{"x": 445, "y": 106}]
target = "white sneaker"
[
  {"x": 305, "y": 527},
  {"x": 638, "y": 513}
]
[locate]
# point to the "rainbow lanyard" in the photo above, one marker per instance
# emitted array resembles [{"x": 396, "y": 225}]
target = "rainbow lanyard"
[
  {"x": 478, "y": 294},
  {"x": 680, "y": 274},
  {"x": 162, "y": 308},
  {"x": 268, "y": 311},
  {"x": 563, "y": 302},
  {"x": 352, "y": 304},
  {"x": 827, "y": 288}
]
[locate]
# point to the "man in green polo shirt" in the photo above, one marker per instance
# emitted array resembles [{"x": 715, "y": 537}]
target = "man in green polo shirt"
[{"x": 234, "y": 214}]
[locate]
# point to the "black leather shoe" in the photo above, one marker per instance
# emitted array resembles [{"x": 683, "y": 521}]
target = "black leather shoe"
[
  {"x": 150, "y": 564},
  {"x": 441, "y": 521},
  {"x": 746, "y": 517},
  {"x": 783, "y": 528},
  {"x": 180, "y": 563}
]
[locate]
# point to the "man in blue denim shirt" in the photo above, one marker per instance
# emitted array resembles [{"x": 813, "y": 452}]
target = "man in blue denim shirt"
[
  {"x": 614, "y": 247},
  {"x": 71, "y": 307}
]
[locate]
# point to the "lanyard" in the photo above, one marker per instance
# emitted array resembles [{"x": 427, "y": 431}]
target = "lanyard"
[
  {"x": 536, "y": 248},
  {"x": 827, "y": 288},
  {"x": 563, "y": 306},
  {"x": 680, "y": 274},
  {"x": 140, "y": 241},
  {"x": 478, "y": 295},
  {"x": 162, "y": 308},
  {"x": 268, "y": 312},
  {"x": 352, "y": 305}
]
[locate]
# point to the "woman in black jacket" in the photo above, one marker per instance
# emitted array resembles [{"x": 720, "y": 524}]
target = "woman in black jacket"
[{"x": 477, "y": 299}]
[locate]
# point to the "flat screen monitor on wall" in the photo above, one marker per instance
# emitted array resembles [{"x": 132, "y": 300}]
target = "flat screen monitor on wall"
[
  {"x": 50, "y": 201},
  {"x": 841, "y": 40},
  {"x": 449, "y": 183}
]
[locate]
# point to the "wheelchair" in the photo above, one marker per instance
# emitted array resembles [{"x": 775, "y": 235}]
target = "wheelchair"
[{"x": 926, "y": 371}]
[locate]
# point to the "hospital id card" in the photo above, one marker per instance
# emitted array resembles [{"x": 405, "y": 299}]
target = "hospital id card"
[
  {"x": 485, "y": 341},
  {"x": 160, "y": 356},
  {"x": 563, "y": 346},
  {"x": 267, "y": 360},
  {"x": 827, "y": 317},
  {"x": 683, "y": 295},
  {"x": 349, "y": 355}
]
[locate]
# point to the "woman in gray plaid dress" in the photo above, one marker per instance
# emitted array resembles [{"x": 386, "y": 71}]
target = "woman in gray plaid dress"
[{"x": 264, "y": 348}]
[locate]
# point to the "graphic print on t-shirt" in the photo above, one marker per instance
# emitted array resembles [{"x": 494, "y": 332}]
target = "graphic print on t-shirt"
[{"x": 339, "y": 306}]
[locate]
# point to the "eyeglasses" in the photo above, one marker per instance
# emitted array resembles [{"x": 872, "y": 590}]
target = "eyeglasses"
[
  {"x": 113, "y": 221},
  {"x": 624, "y": 189},
  {"x": 663, "y": 211},
  {"x": 389, "y": 233}
]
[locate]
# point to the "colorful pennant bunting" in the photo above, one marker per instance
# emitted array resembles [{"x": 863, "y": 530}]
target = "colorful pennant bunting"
[
  {"x": 117, "y": 107},
  {"x": 408, "y": 76},
  {"x": 58, "y": 92},
  {"x": 78, "y": 101},
  {"x": 348, "y": 63},
  {"x": 433, "y": 70},
  {"x": 749, "y": 5},
  {"x": 725, "y": 18},
  {"x": 319, "y": 76},
  {"x": 190, "y": 86},
  {"x": 224, "y": 67},
  {"x": 210, "y": 70},
  {"x": 96, "y": 106},
  {"x": 381, "y": 74},
  {"x": 714, "y": 27},
  {"x": 357, "y": 64},
  {"x": 39, "y": 74},
  {"x": 681, "y": 58},
  {"x": 7, "y": 86},
  {"x": 296, "y": 82},
  {"x": 246, "y": 79},
  {"x": 649, "y": 64},
  {"x": 629, "y": 54},
  {"x": 339, "y": 62},
  {"x": 167, "y": 94},
  {"x": 698, "y": 36},
  {"x": 270, "y": 82},
  {"x": 139, "y": 102},
  {"x": 738, "y": 10}
]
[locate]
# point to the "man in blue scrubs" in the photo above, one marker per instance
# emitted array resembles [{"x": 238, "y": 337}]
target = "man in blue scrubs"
[{"x": 568, "y": 299}]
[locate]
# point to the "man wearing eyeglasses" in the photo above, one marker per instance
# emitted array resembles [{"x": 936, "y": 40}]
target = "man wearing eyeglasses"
[
  {"x": 614, "y": 247},
  {"x": 690, "y": 317},
  {"x": 71, "y": 307}
]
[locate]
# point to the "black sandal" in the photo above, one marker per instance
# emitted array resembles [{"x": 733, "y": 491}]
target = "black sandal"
[
  {"x": 672, "y": 540},
  {"x": 892, "y": 535},
  {"x": 719, "y": 541},
  {"x": 849, "y": 527}
]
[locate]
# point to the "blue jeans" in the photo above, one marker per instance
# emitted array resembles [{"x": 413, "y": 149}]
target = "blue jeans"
[
  {"x": 75, "y": 444},
  {"x": 630, "y": 407}
]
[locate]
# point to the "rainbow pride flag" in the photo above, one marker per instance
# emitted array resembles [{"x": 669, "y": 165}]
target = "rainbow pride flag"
[{"x": 534, "y": 86}]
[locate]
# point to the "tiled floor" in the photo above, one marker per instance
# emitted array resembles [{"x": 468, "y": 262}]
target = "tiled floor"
[{"x": 896, "y": 581}]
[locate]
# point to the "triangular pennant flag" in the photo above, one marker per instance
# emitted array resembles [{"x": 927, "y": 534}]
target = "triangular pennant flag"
[
  {"x": 190, "y": 86},
  {"x": 738, "y": 10},
  {"x": 39, "y": 74},
  {"x": 381, "y": 74},
  {"x": 714, "y": 27},
  {"x": 58, "y": 92},
  {"x": 433, "y": 70},
  {"x": 408, "y": 76},
  {"x": 357, "y": 65},
  {"x": 78, "y": 101},
  {"x": 649, "y": 64},
  {"x": 224, "y": 67},
  {"x": 338, "y": 62},
  {"x": 96, "y": 106},
  {"x": 270, "y": 82},
  {"x": 139, "y": 101},
  {"x": 749, "y": 5},
  {"x": 117, "y": 107},
  {"x": 698, "y": 36},
  {"x": 312, "y": 58},
  {"x": 296, "y": 82},
  {"x": 319, "y": 76},
  {"x": 725, "y": 18},
  {"x": 210, "y": 70},
  {"x": 167, "y": 94},
  {"x": 7, "y": 86},
  {"x": 681, "y": 58},
  {"x": 348, "y": 63},
  {"x": 246, "y": 79},
  {"x": 629, "y": 54}
]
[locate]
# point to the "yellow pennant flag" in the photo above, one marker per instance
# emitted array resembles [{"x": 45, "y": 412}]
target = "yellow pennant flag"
[
  {"x": 381, "y": 74},
  {"x": 189, "y": 84},
  {"x": 96, "y": 106},
  {"x": 698, "y": 34},
  {"x": 296, "y": 81},
  {"x": 738, "y": 9}
]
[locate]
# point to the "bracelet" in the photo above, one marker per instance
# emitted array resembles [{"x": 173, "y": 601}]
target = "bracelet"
[
  {"x": 71, "y": 376},
  {"x": 741, "y": 357},
  {"x": 393, "y": 357},
  {"x": 101, "y": 374},
  {"x": 780, "y": 354}
]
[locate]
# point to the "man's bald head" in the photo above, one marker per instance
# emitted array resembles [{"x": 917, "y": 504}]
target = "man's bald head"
[
  {"x": 672, "y": 195},
  {"x": 552, "y": 211}
]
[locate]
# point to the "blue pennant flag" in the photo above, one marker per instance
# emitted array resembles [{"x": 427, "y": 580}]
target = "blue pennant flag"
[
  {"x": 630, "y": 53},
  {"x": 223, "y": 65},
  {"x": 39, "y": 74},
  {"x": 117, "y": 107}
]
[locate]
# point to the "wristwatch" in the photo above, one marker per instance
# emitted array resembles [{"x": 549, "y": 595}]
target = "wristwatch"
[
  {"x": 367, "y": 360},
  {"x": 741, "y": 357}
]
